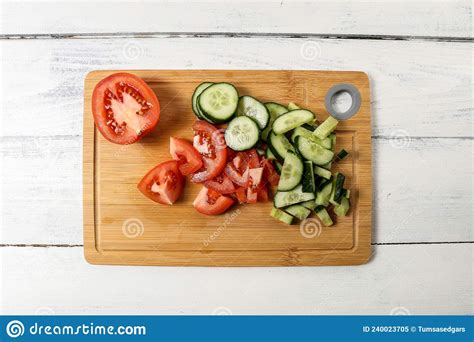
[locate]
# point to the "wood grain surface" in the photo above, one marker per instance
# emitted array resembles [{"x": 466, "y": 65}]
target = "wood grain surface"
[{"x": 122, "y": 226}]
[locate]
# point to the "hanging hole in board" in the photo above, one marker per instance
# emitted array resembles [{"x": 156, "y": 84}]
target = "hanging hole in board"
[{"x": 343, "y": 101}]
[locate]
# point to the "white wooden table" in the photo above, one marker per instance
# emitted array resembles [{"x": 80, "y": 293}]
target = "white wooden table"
[{"x": 419, "y": 59}]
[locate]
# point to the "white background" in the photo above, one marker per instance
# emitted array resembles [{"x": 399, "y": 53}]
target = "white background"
[{"x": 418, "y": 55}]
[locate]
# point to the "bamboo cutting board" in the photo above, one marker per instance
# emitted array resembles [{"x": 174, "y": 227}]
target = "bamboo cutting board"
[{"x": 121, "y": 226}]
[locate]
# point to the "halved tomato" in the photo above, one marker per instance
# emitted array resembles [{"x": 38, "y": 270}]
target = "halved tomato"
[
  {"x": 210, "y": 202},
  {"x": 222, "y": 184},
  {"x": 210, "y": 143},
  {"x": 185, "y": 154},
  {"x": 125, "y": 108},
  {"x": 164, "y": 183}
]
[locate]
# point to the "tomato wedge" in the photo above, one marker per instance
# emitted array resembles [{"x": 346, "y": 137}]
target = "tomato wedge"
[
  {"x": 164, "y": 183},
  {"x": 222, "y": 184},
  {"x": 210, "y": 202},
  {"x": 269, "y": 172},
  {"x": 185, "y": 154},
  {"x": 210, "y": 143},
  {"x": 125, "y": 108}
]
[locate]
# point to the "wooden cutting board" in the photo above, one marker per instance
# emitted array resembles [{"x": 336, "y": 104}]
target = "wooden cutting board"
[{"x": 121, "y": 226}]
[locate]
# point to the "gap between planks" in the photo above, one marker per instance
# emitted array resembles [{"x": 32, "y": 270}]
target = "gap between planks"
[
  {"x": 114, "y": 35},
  {"x": 63, "y": 245}
]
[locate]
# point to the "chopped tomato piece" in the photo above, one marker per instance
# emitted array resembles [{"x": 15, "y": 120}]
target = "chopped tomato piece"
[
  {"x": 253, "y": 158},
  {"x": 241, "y": 194},
  {"x": 222, "y": 184},
  {"x": 125, "y": 108},
  {"x": 210, "y": 202},
  {"x": 210, "y": 143},
  {"x": 163, "y": 184},
  {"x": 255, "y": 178},
  {"x": 188, "y": 157},
  {"x": 269, "y": 172},
  {"x": 241, "y": 179},
  {"x": 262, "y": 194},
  {"x": 252, "y": 195}
]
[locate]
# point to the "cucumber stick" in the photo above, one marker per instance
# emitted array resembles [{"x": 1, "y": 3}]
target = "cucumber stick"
[
  {"x": 308, "y": 181},
  {"x": 321, "y": 172},
  {"x": 301, "y": 131},
  {"x": 323, "y": 215},
  {"x": 286, "y": 198},
  {"x": 326, "y": 128},
  {"x": 292, "y": 106},
  {"x": 291, "y": 173},
  {"x": 281, "y": 216},
  {"x": 343, "y": 208},
  {"x": 298, "y": 211}
]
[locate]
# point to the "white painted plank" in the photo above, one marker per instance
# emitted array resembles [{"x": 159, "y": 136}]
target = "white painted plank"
[
  {"x": 422, "y": 190},
  {"x": 402, "y": 17},
  {"x": 415, "y": 279},
  {"x": 424, "y": 88}
]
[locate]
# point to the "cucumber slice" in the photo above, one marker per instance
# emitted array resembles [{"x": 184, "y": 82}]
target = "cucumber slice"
[
  {"x": 324, "y": 216},
  {"x": 269, "y": 154},
  {"x": 281, "y": 216},
  {"x": 219, "y": 102},
  {"x": 291, "y": 173},
  {"x": 275, "y": 110},
  {"x": 301, "y": 131},
  {"x": 286, "y": 122},
  {"x": 286, "y": 198},
  {"x": 327, "y": 166},
  {"x": 279, "y": 145},
  {"x": 326, "y": 128},
  {"x": 342, "y": 154},
  {"x": 251, "y": 107},
  {"x": 309, "y": 204},
  {"x": 298, "y": 211},
  {"x": 321, "y": 172},
  {"x": 199, "y": 89},
  {"x": 346, "y": 193},
  {"x": 308, "y": 181},
  {"x": 343, "y": 208},
  {"x": 242, "y": 133},
  {"x": 332, "y": 137},
  {"x": 292, "y": 106},
  {"x": 312, "y": 151},
  {"x": 322, "y": 196}
]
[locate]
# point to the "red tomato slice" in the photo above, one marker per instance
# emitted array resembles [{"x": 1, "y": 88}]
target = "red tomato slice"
[
  {"x": 269, "y": 172},
  {"x": 188, "y": 158},
  {"x": 252, "y": 196},
  {"x": 262, "y": 194},
  {"x": 210, "y": 202},
  {"x": 210, "y": 143},
  {"x": 222, "y": 184},
  {"x": 253, "y": 158},
  {"x": 125, "y": 108},
  {"x": 241, "y": 179},
  {"x": 241, "y": 194},
  {"x": 164, "y": 183}
]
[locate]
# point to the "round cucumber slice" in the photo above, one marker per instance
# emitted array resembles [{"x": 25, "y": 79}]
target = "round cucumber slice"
[
  {"x": 199, "y": 89},
  {"x": 218, "y": 102},
  {"x": 242, "y": 133},
  {"x": 254, "y": 109}
]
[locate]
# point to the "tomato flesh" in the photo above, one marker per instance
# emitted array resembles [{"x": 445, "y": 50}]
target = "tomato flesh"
[
  {"x": 211, "y": 202},
  {"x": 222, "y": 184},
  {"x": 185, "y": 154},
  {"x": 163, "y": 184},
  {"x": 125, "y": 108},
  {"x": 210, "y": 143}
]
